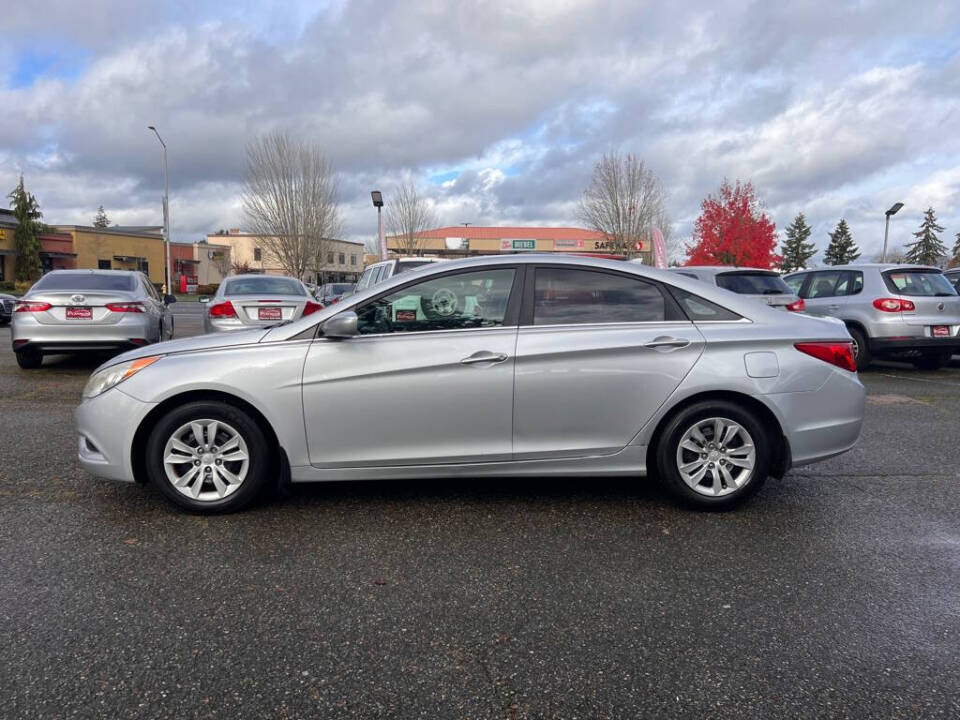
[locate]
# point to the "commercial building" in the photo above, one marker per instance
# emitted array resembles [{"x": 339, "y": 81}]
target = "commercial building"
[
  {"x": 342, "y": 260},
  {"x": 459, "y": 241},
  {"x": 81, "y": 246},
  {"x": 198, "y": 263}
]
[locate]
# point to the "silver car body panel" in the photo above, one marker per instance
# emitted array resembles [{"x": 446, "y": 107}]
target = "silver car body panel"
[
  {"x": 52, "y": 330},
  {"x": 568, "y": 400}
]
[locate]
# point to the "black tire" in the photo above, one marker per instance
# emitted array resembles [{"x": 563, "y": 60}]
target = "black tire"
[
  {"x": 666, "y": 454},
  {"x": 861, "y": 348},
  {"x": 260, "y": 456},
  {"x": 29, "y": 359},
  {"x": 4, "y": 322},
  {"x": 933, "y": 360}
]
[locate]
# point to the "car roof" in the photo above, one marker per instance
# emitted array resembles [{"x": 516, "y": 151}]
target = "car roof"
[
  {"x": 93, "y": 271},
  {"x": 870, "y": 266},
  {"x": 717, "y": 269}
]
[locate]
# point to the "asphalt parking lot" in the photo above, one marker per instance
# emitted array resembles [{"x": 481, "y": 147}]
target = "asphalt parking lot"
[{"x": 833, "y": 594}]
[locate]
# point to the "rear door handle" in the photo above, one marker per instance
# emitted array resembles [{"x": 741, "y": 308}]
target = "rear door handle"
[
  {"x": 484, "y": 356},
  {"x": 667, "y": 342}
]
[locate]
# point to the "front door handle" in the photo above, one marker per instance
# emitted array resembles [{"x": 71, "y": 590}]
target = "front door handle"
[
  {"x": 667, "y": 342},
  {"x": 484, "y": 356}
]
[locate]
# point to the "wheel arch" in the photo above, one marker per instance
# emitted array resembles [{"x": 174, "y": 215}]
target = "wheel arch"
[
  {"x": 138, "y": 447},
  {"x": 781, "y": 454}
]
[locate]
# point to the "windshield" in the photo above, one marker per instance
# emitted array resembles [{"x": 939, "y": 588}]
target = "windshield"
[
  {"x": 86, "y": 281},
  {"x": 264, "y": 285},
  {"x": 753, "y": 283},
  {"x": 918, "y": 283}
]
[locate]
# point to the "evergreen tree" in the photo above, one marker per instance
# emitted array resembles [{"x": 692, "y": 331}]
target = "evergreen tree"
[
  {"x": 26, "y": 238},
  {"x": 955, "y": 260},
  {"x": 841, "y": 250},
  {"x": 796, "y": 250},
  {"x": 101, "y": 220},
  {"x": 927, "y": 248}
]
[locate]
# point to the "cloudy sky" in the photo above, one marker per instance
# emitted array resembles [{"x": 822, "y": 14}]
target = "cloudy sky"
[{"x": 499, "y": 110}]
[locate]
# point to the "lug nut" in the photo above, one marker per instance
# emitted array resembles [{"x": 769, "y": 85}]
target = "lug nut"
[
  {"x": 219, "y": 461},
  {"x": 213, "y": 449},
  {"x": 196, "y": 462}
]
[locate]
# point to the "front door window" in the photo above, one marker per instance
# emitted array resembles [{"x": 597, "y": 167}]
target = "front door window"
[{"x": 463, "y": 301}]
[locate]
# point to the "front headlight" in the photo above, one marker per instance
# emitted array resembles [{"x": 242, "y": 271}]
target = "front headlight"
[{"x": 103, "y": 380}]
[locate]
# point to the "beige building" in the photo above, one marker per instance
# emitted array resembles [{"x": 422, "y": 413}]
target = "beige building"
[
  {"x": 457, "y": 241},
  {"x": 343, "y": 261}
]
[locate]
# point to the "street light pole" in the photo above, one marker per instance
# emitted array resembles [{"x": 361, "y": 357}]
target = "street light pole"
[
  {"x": 377, "y": 198},
  {"x": 886, "y": 230},
  {"x": 168, "y": 288}
]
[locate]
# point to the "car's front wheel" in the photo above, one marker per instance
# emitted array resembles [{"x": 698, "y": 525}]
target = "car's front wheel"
[
  {"x": 713, "y": 455},
  {"x": 208, "y": 457},
  {"x": 30, "y": 358}
]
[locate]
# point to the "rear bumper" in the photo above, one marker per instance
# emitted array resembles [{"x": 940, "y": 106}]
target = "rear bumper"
[
  {"x": 128, "y": 332},
  {"x": 881, "y": 345},
  {"x": 825, "y": 422}
]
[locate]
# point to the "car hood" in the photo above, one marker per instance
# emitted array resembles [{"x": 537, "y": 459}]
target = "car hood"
[{"x": 192, "y": 344}]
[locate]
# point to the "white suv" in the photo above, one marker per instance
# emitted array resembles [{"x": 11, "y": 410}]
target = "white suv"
[{"x": 378, "y": 272}]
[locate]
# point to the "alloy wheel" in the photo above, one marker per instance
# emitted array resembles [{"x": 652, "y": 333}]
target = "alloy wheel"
[
  {"x": 716, "y": 456},
  {"x": 206, "y": 460}
]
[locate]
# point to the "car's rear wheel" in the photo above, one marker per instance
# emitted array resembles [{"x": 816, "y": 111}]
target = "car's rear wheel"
[
  {"x": 861, "y": 349},
  {"x": 30, "y": 358},
  {"x": 933, "y": 360},
  {"x": 713, "y": 455},
  {"x": 208, "y": 457}
]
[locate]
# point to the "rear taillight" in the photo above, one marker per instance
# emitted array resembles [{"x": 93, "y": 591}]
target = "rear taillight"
[
  {"x": 222, "y": 310},
  {"x": 835, "y": 353},
  {"x": 797, "y": 306},
  {"x": 311, "y": 307},
  {"x": 130, "y": 307},
  {"x": 894, "y": 305},
  {"x": 27, "y": 306}
]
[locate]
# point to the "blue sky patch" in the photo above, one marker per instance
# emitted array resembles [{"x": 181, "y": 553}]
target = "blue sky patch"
[{"x": 35, "y": 64}]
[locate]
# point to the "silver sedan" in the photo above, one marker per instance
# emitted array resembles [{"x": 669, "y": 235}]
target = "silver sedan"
[
  {"x": 504, "y": 366},
  {"x": 250, "y": 301},
  {"x": 76, "y": 310}
]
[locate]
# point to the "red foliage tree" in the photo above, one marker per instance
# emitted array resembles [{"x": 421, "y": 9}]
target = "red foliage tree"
[{"x": 733, "y": 230}]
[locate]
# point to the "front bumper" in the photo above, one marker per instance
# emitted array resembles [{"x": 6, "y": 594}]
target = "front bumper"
[
  {"x": 133, "y": 331},
  {"x": 105, "y": 426}
]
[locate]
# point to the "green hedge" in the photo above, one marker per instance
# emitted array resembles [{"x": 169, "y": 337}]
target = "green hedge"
[{"x": 6, "y": 285}]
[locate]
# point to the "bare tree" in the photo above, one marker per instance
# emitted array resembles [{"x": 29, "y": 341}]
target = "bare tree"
[
  {"x": 409, "y": 214},
  {"x": 624, "y": 200},
  {"x": 290, "y": 201}
]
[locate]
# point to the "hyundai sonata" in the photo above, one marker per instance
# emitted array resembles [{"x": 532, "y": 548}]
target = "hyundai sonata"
[{"x": 503, "y": 366}]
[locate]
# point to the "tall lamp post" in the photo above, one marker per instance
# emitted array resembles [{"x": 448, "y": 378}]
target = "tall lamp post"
[
  {"x": 377, "y": 197},
  {"x": 166, "y": 212},
  {"x": 886, "y": 230}
]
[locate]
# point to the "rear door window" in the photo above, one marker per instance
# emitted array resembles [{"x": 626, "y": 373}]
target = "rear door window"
[
  {"x": 571, "y": 296},
  {"x": 918, "y": 283},
  {"x": 700, "y": 309},
  {"x": 753, "y": 283},
  {"x": 83, "y": 281},
  {"x": 824, "y": 284}
]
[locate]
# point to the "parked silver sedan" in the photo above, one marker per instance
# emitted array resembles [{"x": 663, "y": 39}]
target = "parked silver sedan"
[
  {"x": 501, "y": 366},
  {"x": 765, "y": 285},
  {"x": 77, "y": 310},
  {"x": 250, "y": 301}
]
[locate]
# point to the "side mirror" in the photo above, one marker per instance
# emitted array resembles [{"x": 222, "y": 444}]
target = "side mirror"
[
  {"x": 204, "y": 298},
  {"x": 341, "y": 326},
  {"x": 169, "y": 299}
]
